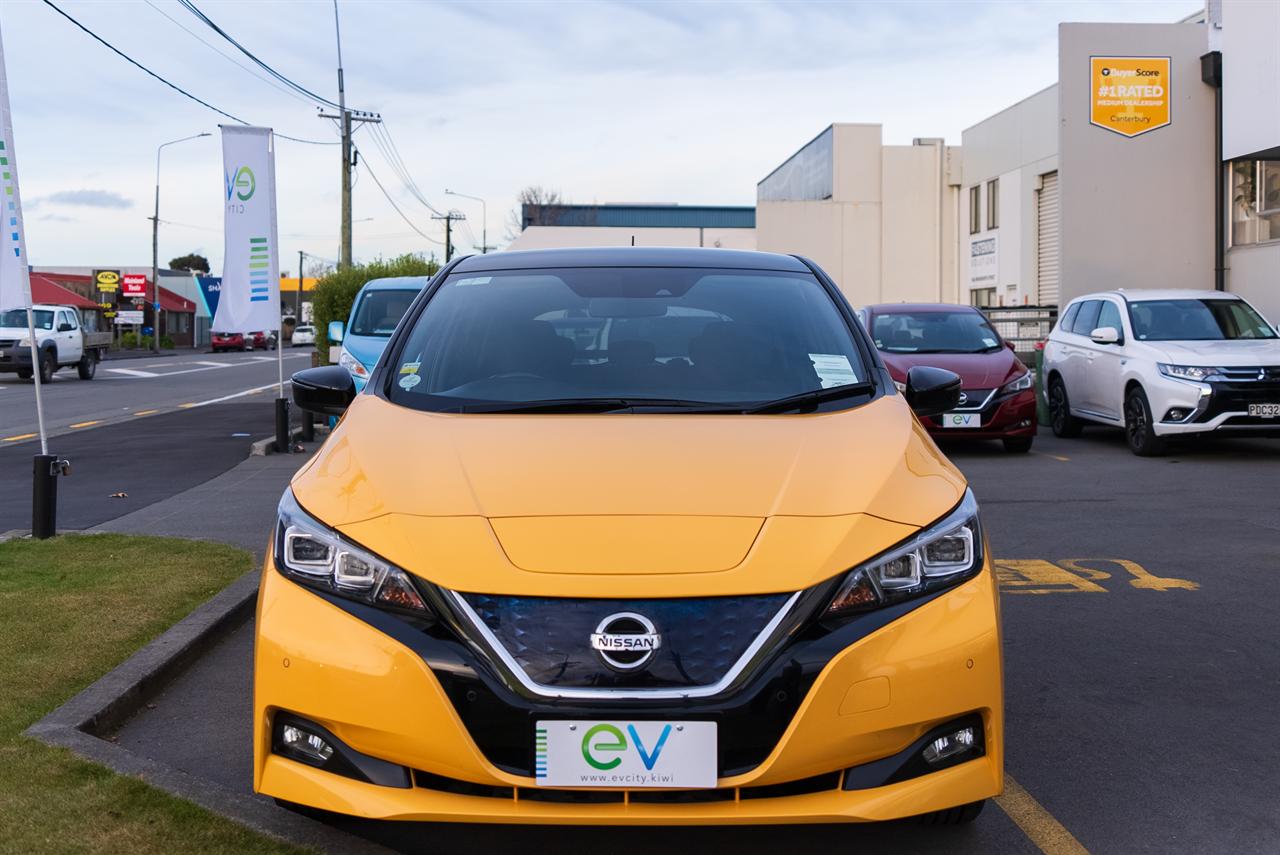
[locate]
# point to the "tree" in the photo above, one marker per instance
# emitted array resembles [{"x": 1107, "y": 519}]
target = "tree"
[
  {"x": 534, "y": 194},
  {"x": 335, "y": 292},
  {"x": 191, "y": 261}
]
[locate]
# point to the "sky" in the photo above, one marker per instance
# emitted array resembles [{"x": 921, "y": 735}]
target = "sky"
[{"x": 605, "y": 102}]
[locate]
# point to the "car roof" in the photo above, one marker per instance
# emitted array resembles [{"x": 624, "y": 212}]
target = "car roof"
[
  {"x": 396, "y": 283},
  {"x": 631, "y": 256},
  {"x": 1138, "y": 295},
  {"x": 878, "y": 308}
]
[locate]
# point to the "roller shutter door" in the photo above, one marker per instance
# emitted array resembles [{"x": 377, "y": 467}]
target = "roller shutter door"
[{"x": 1047, "y": 240}]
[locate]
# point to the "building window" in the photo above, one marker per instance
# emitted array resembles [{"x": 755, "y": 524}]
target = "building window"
[
  {"x": 983, "y": 298},
  {"x": 993, "y": 203},
  {"x": 1255, "y": 201},
  {"x": 975, "y": 209}
]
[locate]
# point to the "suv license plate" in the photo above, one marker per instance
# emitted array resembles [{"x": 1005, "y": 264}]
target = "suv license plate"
[
  {"x": 962, "y": 420},
  {"x": 1266, "y": 411},
  {"x": 625, "y": 754}
]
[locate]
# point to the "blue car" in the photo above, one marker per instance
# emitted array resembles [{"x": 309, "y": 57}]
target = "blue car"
[{"x": 375, "y": 312}]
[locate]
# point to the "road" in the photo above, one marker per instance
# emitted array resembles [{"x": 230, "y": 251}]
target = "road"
[
  {"x": 128, "y": 389},
  {"x": 1139, "y": 608}
]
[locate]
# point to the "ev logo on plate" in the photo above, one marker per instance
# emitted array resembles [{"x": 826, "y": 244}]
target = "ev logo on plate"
[{"x": 625, "y": 754}]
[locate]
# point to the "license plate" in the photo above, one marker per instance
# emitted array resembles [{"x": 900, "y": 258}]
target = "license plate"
[
  {"x": 1267, "y": 411},
  {"x": 962, "y": 420},
  {"x": 628, "y": 754}
]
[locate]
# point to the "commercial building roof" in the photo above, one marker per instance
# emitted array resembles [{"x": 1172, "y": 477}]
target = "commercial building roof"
[
  {"x": 642, "y": 216},
  {"x": 45, "y": 290}
]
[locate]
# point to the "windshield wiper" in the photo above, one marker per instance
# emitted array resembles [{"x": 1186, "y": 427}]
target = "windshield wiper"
[
  {"x": 597, "y": 405},
  {"x": 810, "y": 400}
]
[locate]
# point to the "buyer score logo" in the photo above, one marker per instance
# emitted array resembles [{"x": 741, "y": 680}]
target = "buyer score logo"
[{"x": 1129, "y": 95}]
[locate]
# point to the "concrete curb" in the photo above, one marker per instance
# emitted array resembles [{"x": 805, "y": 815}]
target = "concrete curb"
[
  {"x": 267, "y": 445},
  {"x": 99, "y": 709}
]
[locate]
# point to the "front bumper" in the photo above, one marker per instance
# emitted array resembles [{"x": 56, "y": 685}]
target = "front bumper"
[
  {"x": 872, "y": 699},
  {"x": 1011, "y": 416},
  {"x": 15, "y": 358},
  {"x": 1212, "y": 406}
]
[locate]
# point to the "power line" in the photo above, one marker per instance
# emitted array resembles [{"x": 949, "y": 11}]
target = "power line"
[
  {"x": 408, "y": 222},
  {"x": 291, "y": 93},
  {"x": 195, "y": 10},
  {"x": 172, "y": 86}
]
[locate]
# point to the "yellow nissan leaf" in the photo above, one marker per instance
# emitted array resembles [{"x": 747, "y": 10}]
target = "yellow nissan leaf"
[{"x": 629, "y": 536}]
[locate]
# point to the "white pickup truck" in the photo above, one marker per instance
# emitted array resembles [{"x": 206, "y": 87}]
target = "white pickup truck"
[{"x": 61, "y": 340}]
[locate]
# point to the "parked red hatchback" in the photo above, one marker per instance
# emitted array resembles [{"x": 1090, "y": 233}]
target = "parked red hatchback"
[
  {"x": 228, "y": 341},
  {"x": 999, "y": 399}
]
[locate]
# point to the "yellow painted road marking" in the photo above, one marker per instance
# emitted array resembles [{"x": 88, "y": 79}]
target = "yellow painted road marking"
[
  {"x": 1071, "y": 575},
  {"x": 145, "y": 412},
  {"x": 1054, "y": 456},
  {"x": 18, "y": 437},
  {"x": 188, "y": 406},
  {"x": 87, "y": 424},
  {"x": 1038, "y": 824}
]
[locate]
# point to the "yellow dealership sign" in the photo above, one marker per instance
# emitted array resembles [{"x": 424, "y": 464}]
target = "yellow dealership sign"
[{"x": 1129, "y": 94}]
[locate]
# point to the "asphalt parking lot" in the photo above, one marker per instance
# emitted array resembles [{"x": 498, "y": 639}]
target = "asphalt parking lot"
[{"x": 1139, "y": 613}]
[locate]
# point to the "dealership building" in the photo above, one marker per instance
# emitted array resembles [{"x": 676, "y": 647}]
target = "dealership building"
[
  {"x": 564, "y": 225},
  {"x": 1154, "y": 162}
]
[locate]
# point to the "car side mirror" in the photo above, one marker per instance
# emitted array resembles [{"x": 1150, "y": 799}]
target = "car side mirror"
[
  {"x": 327, "y": 390},
  {"x": 335, "y": 331},
  {"x": 65, "y": 327},
  {"x": 1010, "y": 345},
  {"x": 1105, "y": 335},
  {"x": 932, "y": 391}
]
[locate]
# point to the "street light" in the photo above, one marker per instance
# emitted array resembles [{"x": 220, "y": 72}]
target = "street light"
[
  {"x": 155, "y": 250},
  {"x": 484, "y": 219}
]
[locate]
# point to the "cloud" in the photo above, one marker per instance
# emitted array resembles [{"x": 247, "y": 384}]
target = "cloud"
[
  {"x": 84, "y": 198},
  {"x": 57, "y": 218}
]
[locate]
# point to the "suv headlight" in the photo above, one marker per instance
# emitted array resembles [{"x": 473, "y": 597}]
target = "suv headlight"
[
  {"x": 311, "y": 553},
  {"x": 354, "y": 367},
  {"x": 1195, "y": 373},
  {"x": 943, "y": 554},
  {"x": 1018, "y": 384}
]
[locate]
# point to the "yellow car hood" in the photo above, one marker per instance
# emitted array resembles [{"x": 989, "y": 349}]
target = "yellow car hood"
[{"x": 627, "y": 505}]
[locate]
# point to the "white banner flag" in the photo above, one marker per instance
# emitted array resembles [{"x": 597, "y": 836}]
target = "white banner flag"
[
  {"x": 250, "y": 296},
  {"x": 15, "y": 281}
]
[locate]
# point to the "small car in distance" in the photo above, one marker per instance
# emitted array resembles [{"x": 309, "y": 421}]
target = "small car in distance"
[
  {"x": 223, "y": 341},
  {"x": 263, "y": 340},
  {"x": 304, "y": 335},
  {"x": 1163, "y": 364},
  {"x": 998, "y": 400}
]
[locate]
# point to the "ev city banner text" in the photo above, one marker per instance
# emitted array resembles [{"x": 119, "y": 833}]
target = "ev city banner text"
[{"x": 249, "y": 299}]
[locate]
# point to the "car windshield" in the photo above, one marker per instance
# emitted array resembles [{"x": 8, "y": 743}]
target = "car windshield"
[
  {"x": 380, "y": 311},
  {"x": 960, "y": 331},
  {"x": 1197, "y": 320},
  {"x": 670, "y": 337},
  {"x": 18, "y": 318}
]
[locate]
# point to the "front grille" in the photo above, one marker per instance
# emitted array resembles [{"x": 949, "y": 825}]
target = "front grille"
[
  {"x": 1252, "y": 374},
  {"x": 8, "y": 342},
  {"x": 550, "y": 638},
  {"x": 1236, "y": 396},
  {"x": 973, "y": 399}
]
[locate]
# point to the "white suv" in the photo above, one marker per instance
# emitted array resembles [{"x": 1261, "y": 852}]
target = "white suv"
[{"x": 1161, "y": 364}]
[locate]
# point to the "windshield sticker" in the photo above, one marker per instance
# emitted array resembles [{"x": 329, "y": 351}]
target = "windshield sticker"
[
  {"x": 989, "y": 342},
  {"x": 474, "y": 280},
  {"x": 833, "y": 369},
  {"x": 410, "y": 367},
  {"x": 408, "y": 381}
]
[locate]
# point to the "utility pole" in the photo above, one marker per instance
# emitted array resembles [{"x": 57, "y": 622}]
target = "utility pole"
[
  {"x": 345, "y": 117},
  {"x": 448, "y": 231},
  {"x": 297, "y": 304},
  {"x": 484, "y": 216}
]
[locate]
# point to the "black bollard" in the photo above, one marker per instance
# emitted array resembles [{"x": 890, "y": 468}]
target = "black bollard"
[
  {"x": 282, "y": 425},
  {"x": 308, "y": 427},
  {"x": 44, "y": 497}
]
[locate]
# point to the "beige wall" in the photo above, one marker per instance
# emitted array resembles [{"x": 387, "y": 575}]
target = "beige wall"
[
  {"x": 1136, "y": 212},
  {"x": 559, "y": 237},
  {"x": 888, "y": 234}
]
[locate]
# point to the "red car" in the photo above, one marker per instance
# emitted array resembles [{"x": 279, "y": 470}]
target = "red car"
[
  {"x": 263, "y": 341},
  {"x": 998, "y": 399},
  {"x": 229, "y": 341}
]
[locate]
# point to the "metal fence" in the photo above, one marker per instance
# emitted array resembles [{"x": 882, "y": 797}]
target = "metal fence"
[{"x": 1024, "y": 326}]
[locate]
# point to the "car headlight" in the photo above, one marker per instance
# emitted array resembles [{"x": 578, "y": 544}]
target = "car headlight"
[
  {"x": 942, "y": 555},
  {"x": 1186, "y": 372},
  {"x": 1018, "y": 384},
  {"x": 311, "y": 553},
  {"x": 25, "y": 341},
  {"x": 353, "y": 365}
]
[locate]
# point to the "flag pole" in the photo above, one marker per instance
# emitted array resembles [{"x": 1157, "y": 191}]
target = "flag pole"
[{"x": 35, "y": 375}]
